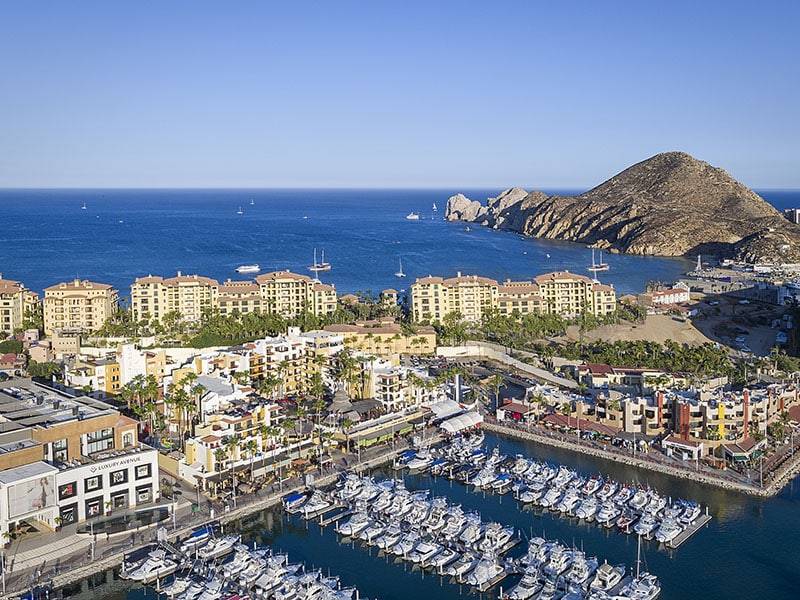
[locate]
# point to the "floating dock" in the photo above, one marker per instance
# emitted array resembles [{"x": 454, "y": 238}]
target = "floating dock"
[
  {"x": 684, "y": 535},
  {"x": 335, "y": 518}
]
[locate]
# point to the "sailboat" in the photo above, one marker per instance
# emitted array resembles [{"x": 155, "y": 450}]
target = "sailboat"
[
  {"x": 252, "y": 202},
  {"x": 400, "y": 272},
  {"x": 434, "y": 207},
  {"x": 84, "y": 206},
  {"x": 598, "y": 266},
  {"x": 240, "y": 211},
  {"x": 319, "y": 266}
]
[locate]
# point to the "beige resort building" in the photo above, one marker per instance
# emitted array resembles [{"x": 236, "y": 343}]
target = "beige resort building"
[
  {"x": 472, "y": 296},
  {"x": 78, "y": 305},
  {"x": 15, "y": 301}
]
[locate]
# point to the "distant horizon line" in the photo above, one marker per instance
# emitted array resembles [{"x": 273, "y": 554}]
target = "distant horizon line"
[{"x": 323, "y": 188}]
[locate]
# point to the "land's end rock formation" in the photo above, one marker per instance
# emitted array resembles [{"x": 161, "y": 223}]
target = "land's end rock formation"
[{"x": 669, "y": 205}]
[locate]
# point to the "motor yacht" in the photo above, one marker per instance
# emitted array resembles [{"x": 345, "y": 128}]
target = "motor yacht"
[
  {"x": 582, "y": 569},
  {"x": 355, "y": 525},
  {"x": 607, "y": 514},
  {"x": 607, "y": 577},
  {"x": 484, "y": 573},
  {"x": 587, "y": 508},
  {"x": 527, "y": 587},
  {"x": 316, "y": 504},
  {"x": 647, "y": 524},
  {"x": 668, "y": 531},
  {"x": 559, "y": 561},
  {"x": 643, "y": 587}
]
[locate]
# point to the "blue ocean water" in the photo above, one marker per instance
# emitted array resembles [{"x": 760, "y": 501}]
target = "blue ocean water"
[{"x": 46, "y": 237}]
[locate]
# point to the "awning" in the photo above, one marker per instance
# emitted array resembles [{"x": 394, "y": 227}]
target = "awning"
[{"x": 461, "y": 422}]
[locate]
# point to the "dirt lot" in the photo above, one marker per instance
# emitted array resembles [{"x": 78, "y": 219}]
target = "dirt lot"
[{"x": 656, "y": 328}]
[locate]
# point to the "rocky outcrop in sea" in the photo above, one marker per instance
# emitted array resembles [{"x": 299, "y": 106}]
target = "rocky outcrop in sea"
[{"x": 668, "y": 205}]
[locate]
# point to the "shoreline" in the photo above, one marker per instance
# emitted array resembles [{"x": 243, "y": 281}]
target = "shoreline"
[
  {"x": 785, "y": 473},
  {"x": 91, "y": 567}
]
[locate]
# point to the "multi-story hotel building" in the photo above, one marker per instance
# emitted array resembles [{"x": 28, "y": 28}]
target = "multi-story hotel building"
[
  {"x": 472, "y": 296},
  {"x": 186, "y": 295},
  {"x": 63, "y": 460},
  {"x": 78, "y": 305},
  {"x": 566, "y": 293},
  {"x": 290, "y": 294},
  {"x": 433, "y": 298},
  {"x": 240, "y": 297},
  {"x": 15, "y": 301},
  {"x": 386, "y": 337}
]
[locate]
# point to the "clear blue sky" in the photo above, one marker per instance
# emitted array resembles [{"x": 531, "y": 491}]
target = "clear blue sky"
[{"x": 439, "y": 94}]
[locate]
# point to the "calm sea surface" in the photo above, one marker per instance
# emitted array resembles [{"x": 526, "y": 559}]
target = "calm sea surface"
[
  {"x": 751, "y": 549},
  {"x": 46, "y": 237}
]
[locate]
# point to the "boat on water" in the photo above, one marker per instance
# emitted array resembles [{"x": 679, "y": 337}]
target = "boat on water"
[
  {"x": 321, "y": 265},
  {"x": 84, "y": 206},
  {"x": 412, "y": 216},
  {"x": 434, "y": 207},
  {"x": 400, "y": 273},
  {"x": 252, "y": 202},
  {"x": 240, "y": 211},
  {"x": 248, "y": 269},
  {"x": 597, "y": 267}
]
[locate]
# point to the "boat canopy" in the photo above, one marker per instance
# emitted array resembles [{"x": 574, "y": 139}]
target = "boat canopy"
[
  {"x": 461, "y": 422},
  {"x": 293, "y": 497}
]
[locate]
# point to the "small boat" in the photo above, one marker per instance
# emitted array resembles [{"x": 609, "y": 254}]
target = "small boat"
[
  {"x": 319, "y": 266},
  {"x": 467, "y": 228},
  {"x": 248, "y": 269},
  {"x": 434, "y": 207},
  {"x": 252, "y": 202},
  {"x": 400, "y": 273},
  {"x": 412, "y": 216},
  {"x": 84, "y": 206},
  {"x": 240, "y": 211},
  {"x": 596, "y": 267}
]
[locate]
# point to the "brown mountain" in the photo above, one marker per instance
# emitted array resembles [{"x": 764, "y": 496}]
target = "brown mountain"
[{"x": 670, "y": 205}]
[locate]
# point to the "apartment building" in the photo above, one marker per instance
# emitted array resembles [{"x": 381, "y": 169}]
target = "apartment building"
[
  {"x": 290, "y": 294},
  {"x": 154, "y": 297},
  {"x": 240, "y": 297},
  {"x": 568, "y": 294},
  {"x": 96, "y": 374},
  {"x": 63, "y": 460},
  {"x": 15, "y": 302},
  {"x": 472, "y": 296},
  {"x": 78, "y": 305},
  {"x": 386, "y": 338}
]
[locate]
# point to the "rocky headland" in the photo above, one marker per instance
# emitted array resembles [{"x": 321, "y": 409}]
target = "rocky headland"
[{"x": 668, "y": 205}]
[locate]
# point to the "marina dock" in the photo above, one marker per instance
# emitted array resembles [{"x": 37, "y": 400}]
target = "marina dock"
[{"x": 701, "y": 522}]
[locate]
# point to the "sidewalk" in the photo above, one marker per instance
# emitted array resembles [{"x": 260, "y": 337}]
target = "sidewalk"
[{"x": 64, "y": 557}]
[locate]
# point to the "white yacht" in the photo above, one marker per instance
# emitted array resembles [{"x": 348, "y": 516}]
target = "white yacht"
[
  {"x": 317, "y": 503},
  {"x": 218, "y": 547},
  {"x": 248, "y": 268},
  {"x": 400, "y": 273},
  {"x": 587, "y": 509},
  {"x": 668, "y": 531},
  {"x": 444, "y": 558},
  {"x": 355, "y": 525},
  {"x": 646, "y": 525},
  {"x": 484, "y": 572},
  {"x": 607, "y": 514},
  {"x": 412, "y": 216},
  {"x": 582, "y": 569},
  {"x": 643, "y": 587},
  {"x": 607, "y": 577},
  {"x": 527, "y": 586},
  {"x": 559, "y": 561},
  {"x": 154, "y": 567},
  {"x": 240, "y": 211}
]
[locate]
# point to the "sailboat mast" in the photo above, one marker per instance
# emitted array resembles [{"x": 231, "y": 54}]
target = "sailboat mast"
[{"x": 638, "y": 556}]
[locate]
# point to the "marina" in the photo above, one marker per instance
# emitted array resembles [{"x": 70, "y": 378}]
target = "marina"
[
  {"x": 434, "y": 534},
  {"x": 593, "y": 499}
]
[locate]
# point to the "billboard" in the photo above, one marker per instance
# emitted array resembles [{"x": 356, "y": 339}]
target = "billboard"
[{"x": 31, "y": 496}]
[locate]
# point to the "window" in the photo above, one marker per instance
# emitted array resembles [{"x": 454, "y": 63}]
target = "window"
[
  {"x": 68, "y": 490},
  {"x": 91, "y": 484},
  {"x": 144, "y": 494},
  {"x": 94, "y": 506},
  {"x": 98, "y": 441},
  {"x": 127, "y": 439},
  {"x": 143, "y": 471},
  {"x": 60, "y": 450},
  {"x": 119, "y": 477},
  {"x": 68, "y": 514},
  {"x": 120, "y": 500}
]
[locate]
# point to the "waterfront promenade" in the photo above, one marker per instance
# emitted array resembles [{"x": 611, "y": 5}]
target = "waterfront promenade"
[
  {"x": 59, "y": 559},
  {"x": 782, "y": 468}
]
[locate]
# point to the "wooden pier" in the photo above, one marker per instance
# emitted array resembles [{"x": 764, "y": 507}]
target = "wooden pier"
[
  {"x": 335, "y": 518},
  {"x": 492, "y": 582}
]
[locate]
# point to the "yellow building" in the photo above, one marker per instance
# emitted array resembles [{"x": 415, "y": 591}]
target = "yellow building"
[
  {"x": 472, "y": 296},
  {"x": 78, "y": 305},
  {"x": 433, "y": 298},
  {"x": 188, "y": 295},
  {"x": 15, "y": 301},
  {"x": 290, "y": 294},
  {"x": 385, "y": 338},
  {"x": 566, "y": 293},
  {"x": 101, "y": 375},
  {"x": 240, "y": 297}
]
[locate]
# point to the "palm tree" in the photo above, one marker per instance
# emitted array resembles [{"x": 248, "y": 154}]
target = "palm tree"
[
  {"x": 231, "y": 444},
  {"x": 496, "y": 382},
  {"x": 251, "y": 446}
]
